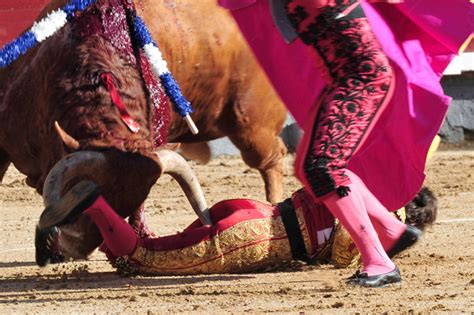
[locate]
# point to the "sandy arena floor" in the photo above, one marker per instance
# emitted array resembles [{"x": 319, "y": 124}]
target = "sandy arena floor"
[{"x": 438, "y": 274}]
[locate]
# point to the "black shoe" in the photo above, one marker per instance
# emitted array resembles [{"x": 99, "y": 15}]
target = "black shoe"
[
  {"x": 80, "y": 197},
  {"x": 408, "y": 239},
  {"x": 377, "y": 281},
  {"x": 354, "y": 276},
  {"x": 46, "y": 245}
]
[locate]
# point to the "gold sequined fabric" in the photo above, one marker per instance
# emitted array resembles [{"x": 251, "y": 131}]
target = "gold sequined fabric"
[
  {"x": 247, "y": 246},
  {"x": 344, "y": 252},
  {"x": 251, "y": 245}
]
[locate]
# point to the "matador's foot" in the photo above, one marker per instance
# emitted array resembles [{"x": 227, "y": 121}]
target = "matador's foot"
[
  {"x": 376, "y": 281},
  {"x": 406, "y": 240}
]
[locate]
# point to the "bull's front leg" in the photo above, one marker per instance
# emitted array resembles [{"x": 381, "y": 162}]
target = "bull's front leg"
[
  {"x": 266, "y": 153},
  {"x": 272, "y": 172}
]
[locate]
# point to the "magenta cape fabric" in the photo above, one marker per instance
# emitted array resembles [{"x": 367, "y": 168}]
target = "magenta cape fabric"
[{"x": 420, "y": 39}]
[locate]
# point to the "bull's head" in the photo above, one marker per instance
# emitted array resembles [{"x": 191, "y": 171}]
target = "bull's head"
[{"x": 78, "y": 239}]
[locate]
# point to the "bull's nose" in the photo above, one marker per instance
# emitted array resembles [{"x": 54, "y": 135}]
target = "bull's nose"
[{"x": 46, "y": 246}]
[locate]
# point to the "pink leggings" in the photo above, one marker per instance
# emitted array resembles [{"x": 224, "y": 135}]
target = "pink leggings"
[{"x": 360, "y": 82}]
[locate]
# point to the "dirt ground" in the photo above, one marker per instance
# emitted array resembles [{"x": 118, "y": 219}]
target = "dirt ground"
[{"x": 438, "y": 274}]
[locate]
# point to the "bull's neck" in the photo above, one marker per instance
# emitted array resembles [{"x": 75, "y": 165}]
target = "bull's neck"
[
  {"x": 3, "y": 85},
  {"x": 8, "y": 78}
]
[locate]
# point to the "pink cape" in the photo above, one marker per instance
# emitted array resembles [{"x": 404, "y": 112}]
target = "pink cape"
[{"x": 420, "y": 39}]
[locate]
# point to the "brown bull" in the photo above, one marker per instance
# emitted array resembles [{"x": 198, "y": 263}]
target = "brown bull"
[{"x": 58, "y": 81}]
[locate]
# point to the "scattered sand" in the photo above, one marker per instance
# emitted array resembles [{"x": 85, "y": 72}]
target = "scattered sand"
[{"x": 438, "y": 274}]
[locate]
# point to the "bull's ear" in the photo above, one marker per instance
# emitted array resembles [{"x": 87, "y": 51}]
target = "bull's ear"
[{"x": 68, "y": 140}]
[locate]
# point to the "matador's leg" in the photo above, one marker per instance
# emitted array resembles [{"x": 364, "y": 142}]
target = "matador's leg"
[
  {"x": 247, "y": 236},
  {"x": 361, "y": 83}
]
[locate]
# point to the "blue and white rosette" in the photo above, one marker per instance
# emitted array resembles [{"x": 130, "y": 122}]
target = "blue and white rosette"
[
  {"x": 52, "y": 23},
  {"x": 40, "y": 31},
  {"x": 160, "y": 69}
]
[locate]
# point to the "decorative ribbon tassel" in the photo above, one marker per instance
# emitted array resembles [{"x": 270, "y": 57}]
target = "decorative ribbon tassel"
[
  {"x": 40, "y": 31},
  {"x": 160, "y": 68}
]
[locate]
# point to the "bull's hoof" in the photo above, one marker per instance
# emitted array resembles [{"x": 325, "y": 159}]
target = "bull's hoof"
[
  {"x": 80, "y": 197},
  {"x": 46, "y": 245}
]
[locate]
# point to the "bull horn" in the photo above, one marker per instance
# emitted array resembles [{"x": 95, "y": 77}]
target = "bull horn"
[
  {"x": 66, "y": 138},
  {"x": 177, "y": 167},
  {"x": 92, "y": 162},
  {"x": 72, "y": 165}
]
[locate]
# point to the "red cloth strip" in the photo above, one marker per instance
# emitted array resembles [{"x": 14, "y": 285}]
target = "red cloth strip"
[{"x": 114, "y": 94}]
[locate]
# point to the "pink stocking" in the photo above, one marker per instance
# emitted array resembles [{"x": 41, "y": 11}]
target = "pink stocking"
[
  {"x": 118, "y": 235},
  {"x": 388, "y": 228},
  {"x": 352, "y": 213}
]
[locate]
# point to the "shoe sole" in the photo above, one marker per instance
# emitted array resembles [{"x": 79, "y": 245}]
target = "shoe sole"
[
  {"x": 383, "y": 285},
  {"x": 80, "y": 197},
  {"x": 393, "y": 277},
  {"x": 393, "y": 284}
]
